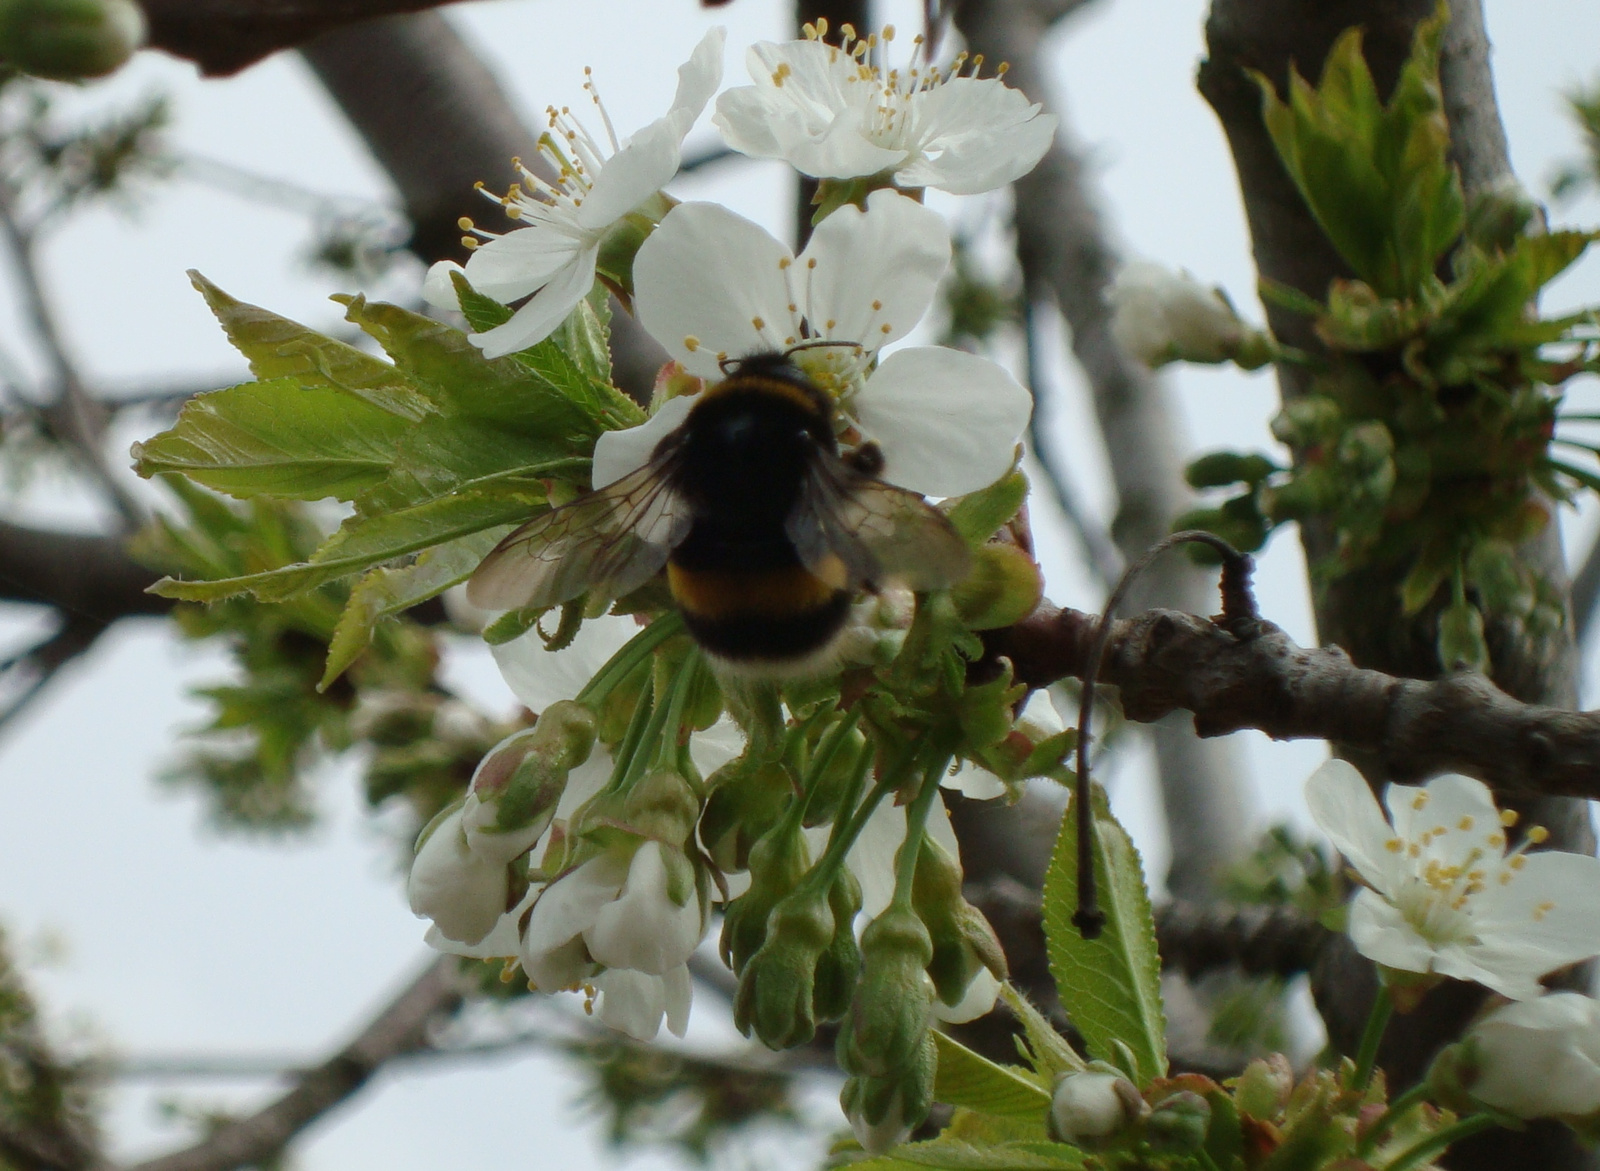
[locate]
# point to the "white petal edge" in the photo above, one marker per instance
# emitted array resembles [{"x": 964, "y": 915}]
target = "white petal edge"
[
  {"x": 619, "y": 453},
  {"x": 948, "y": 421},
  {"x": 540, "y": 677},
  {"x": 539, "y": 317},
  {"x": 1345, "y": 809}
]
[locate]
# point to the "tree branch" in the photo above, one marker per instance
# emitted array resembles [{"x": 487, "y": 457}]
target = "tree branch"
[
  {"x": 1064, "y": 251},
  {"x": 90, "y": 577},
  {"x": 400, "y": 1028},
  {"x": 1164, "y": 661}
]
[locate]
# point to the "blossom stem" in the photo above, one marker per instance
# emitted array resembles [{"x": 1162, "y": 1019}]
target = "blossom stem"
[
  {"x": 1424, "y": 1150},
  {"x": 1396, "y": 1110},
  {"x": 631, "y": 739},
  {"x": 846, "y": 831},
  {"x": 671, "y": 731},
  {"x": 622, "y": 664},
  {"x": 916, "y": 822},
  {"x": 827, "y": 748},
  {"x": 1377, "y": 1022}
]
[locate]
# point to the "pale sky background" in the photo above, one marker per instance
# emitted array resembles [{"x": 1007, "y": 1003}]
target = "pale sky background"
[{"x": 152, "y": 935}]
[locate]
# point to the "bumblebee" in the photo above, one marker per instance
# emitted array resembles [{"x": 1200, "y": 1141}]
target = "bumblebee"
[{"x": 765, "y": 530}]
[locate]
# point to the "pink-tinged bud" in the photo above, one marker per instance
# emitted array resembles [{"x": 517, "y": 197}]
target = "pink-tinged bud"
[
  {"x": 1262, "y": 1090},
  {"x": 517, "y": 786}
]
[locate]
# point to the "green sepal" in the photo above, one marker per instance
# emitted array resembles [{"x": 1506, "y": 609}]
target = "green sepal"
[{"x": 977, "y": 516}]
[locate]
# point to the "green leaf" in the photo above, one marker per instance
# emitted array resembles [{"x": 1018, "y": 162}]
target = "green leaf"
[
  {"x": 277, "y": 438},
  {"x": 367, "y": 541},
  {"x": 279, "y": 348},
  {"x": 384, "y": 592},
  {"x": 960, "y": 1156},
  {"x": 1110, "y": 986},
  {"x": 969, "y": 1079},
  {"x": 1046, "y": 1050},
  {"x": 978, "y": 515}
]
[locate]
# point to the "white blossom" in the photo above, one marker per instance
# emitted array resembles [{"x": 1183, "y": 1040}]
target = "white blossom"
[
  {"x": 710, "y": 285},
  {"x": 841, "y": 111},
  {"x": 463, "y": 892},
  {"x": 1443, "y": 895},
  {"x": 1538, "y": 1058},
  {"x": 1088, "y": 1105},
  {"x": 566, "y": 218},
  {"x": 1159, "y": 316}
]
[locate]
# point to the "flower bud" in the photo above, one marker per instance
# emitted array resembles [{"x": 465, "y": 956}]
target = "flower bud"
[
  {"x": 829, "y": 788},
  {"x": 462, "y": 892},
  {"x": 893, "y": 1004},
  {"x": 839, "y": 966},
  {"x": 775, "y": 988},
  {"x": 1178, "y": 1123},
  {"x": 66, "y": 40},
  {"x": 662, "y": 806},
  {"x": 745, "y": 802},
  {"x": 1161, "y": 316},
  {"x": 1003, "y": 587},
  {"x": 1262, "y": 1090},
  {"x": 1089, "y": 1107},
  {"x": 1533, "y": 1058},
  {"x": 517, "y": 786},
  {"x": 883, "y": 1111},
  {"x": 963, "y": 940},
  {"x": 777, "y": 863}
]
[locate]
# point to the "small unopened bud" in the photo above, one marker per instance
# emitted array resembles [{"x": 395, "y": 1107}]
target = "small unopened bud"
[
  {"x": 1178, "y": 1123},
  {"x": 963, "y": 940},
  {"x": 66, "y": 40},
  {"x": 1089, "y": 1107},
  {"x": 893, "y": 1005},
  {"x": 1532, "y": 1058},
  {"x": 745, "y": 803},
  {"x": 1262, "y": 1090},
  {"x": 518, "y": 784},
  {"x": 662, "y": 806},
  {"x": 883, "y": 1111},
  {"x": 775, "y": 988},
  {"x": 777, "y": 863},
  {"x": 1003, "y": 587},
  {"x": 1161, "y": 316},
  {"x": 839, "y": 966}
]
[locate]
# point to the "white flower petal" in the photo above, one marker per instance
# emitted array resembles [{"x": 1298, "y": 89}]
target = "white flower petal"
[
  {"x": 1344, "y": 807},
  {"x": 540, "y": 677},
  {"x": 980, "y": 134},
  {"x": 539, "y": 317},
  {"x": 1381, "y": 933},
  {"x": 978, "y": 1000},
  {"x": 974, "y": 782},
  {"x": 438, "y": 289},
  {"x": 522, "y": 260},
  {"x": 743, "y": 118},
  {"x": 875, "y": 271},
  {"x": 1540, "y": 1058},
  {"x": 569, "y": 905},
  {"x": 948, "y": 421},
  {"x": 642, "y": 927},
  {"x": 631, "y": 1002},
  {"x": 1456, "y": 812},
  {"x": 698, "y": 78},
  {"x": 712, "y": 276},
  {"x": 557, "y": 969},
  {"x": 871, "y": 858},
  {"x": 679, "y": 999},
  {"x": 501, "y": 943},
  {"x": 463, "y": 894},
  {"x": 716, "y": 746},
  {"x": 644, "y": 165},
  {"x": 618, "y": 453}
]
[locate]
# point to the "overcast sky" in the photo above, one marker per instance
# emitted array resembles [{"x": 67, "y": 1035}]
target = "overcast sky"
[{"x": 153, "y": 935}]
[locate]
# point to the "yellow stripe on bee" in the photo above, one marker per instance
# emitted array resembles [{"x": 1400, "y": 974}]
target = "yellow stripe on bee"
[
  {"x": 775, "y": 593},
  {"x": 755, "y": 383}
]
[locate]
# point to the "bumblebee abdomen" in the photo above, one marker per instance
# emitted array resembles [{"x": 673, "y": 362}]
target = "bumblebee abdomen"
[{"x": 780, "y": 613}]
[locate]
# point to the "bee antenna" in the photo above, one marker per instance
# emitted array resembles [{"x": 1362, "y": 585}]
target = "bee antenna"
[{"x": 819, "y": 343}]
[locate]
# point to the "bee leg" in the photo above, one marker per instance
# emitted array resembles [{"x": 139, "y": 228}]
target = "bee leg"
[{"x": 866, "y": 459}]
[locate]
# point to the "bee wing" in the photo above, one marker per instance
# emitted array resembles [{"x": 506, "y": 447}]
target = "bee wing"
[
  {"x": 879, "y": 532},
  {"x": 611, "y": 541}
]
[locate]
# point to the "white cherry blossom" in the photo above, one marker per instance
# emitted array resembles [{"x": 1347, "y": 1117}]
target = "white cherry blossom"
[
  {"x": 710, "y": 285},
  {"x": 566, "y": 219},
  {"x": 1538, "y": 1058},
  {"x": 463, "y": 892},
  {"x": 1443, "y": 895},
  {"x": 1160, "y": 316},
  {"x": 841, "y": 111}
]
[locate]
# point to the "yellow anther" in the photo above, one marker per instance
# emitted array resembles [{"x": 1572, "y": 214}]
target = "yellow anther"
[
  {"x": 1413, "y": 850},
  {"x": 811, "y": 263},
  {"x": 513, "y": 212},
  {"x": 1419, "y": 801},
  {"x": 691, "y": 343},
  {"x": 465, "y": 223},
  {"x": 877, "y": 305},
  {"x": 829, "y": 324},
  {"x": 1464, "y": 824},
  {"x": 1509, "y": 817},
  {"x": 1497, "y": 841},
  {"x": 1517, "y": 863},
  {"x": 785, "y": 262},
  {"x": 758, "y": 323},
  {"x": 792, "y": 308},
  {"x": 469, "y": 243},
  {"x": 1394, "y": 845},
  {"x": 888, "y": 33},
  {"x": 1538, "y": 834},
  {"x": 1542, "y": 910},
  {"x": 886, "y": 328},
  {"x": 822, "y": 26},
  {"x": 1003, "y": 69}
]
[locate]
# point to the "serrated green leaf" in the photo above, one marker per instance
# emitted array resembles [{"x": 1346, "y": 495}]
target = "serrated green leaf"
[
  {"x": 513, "y": 624},
  {"x": 384, "y": 592},
  {"x": 978, "y": 515},
  {"x": 960, "y": 1156},
  {"x": 971, "y": 1080},
  {"x": 277, "y": 438},
  {"x": 1046, "y": 1050},
  {"x": 277, "y": 347},
  {"x": 364, "y": 542},
  {"x": 1110, "y": 986}
]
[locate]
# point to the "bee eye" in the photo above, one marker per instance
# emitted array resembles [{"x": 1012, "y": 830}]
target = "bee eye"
[{"x": 866, "y": 459}]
